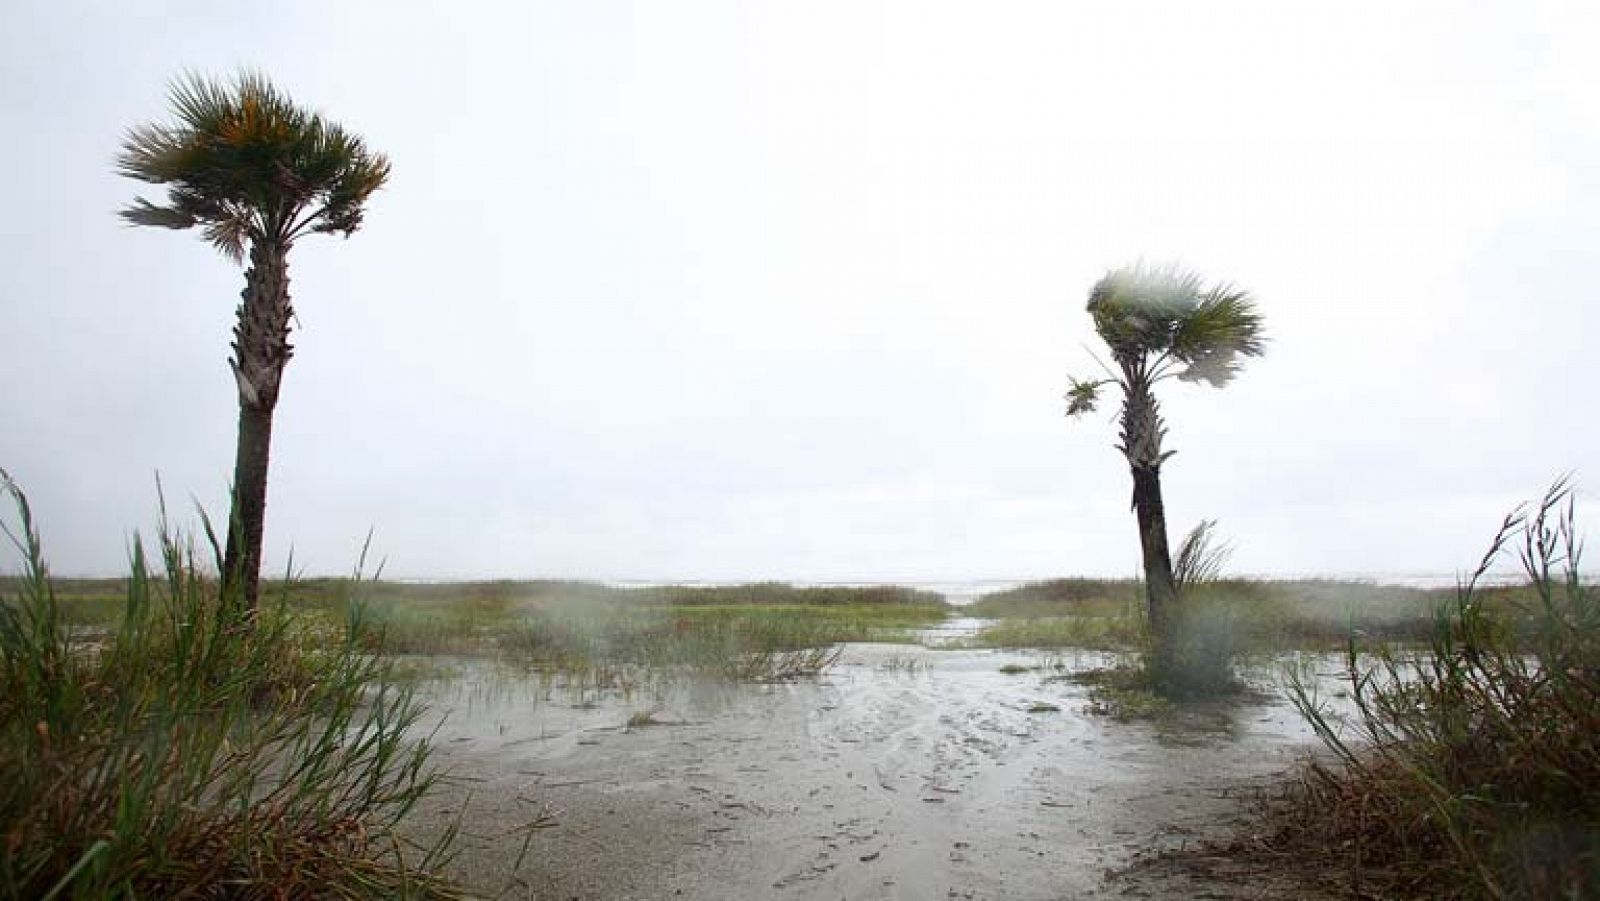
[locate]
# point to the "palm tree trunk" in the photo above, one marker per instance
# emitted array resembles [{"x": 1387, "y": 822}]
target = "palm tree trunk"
[
  {"x": 261, "y": 350},
  {"x": 1160, "y": 592},
  {"x": 247, "y": 525},
  {"x": 1142, "y": 435}
]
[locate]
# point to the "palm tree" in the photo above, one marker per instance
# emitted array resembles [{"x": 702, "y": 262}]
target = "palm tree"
[
  {"x": 255, "y": 173},
  {"x": 1161, "y": 322}
]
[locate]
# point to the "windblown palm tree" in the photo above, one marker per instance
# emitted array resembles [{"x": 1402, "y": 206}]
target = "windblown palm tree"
[
  {"x": 1161, "y": 322},
  {"x": 255, "y": 173}
]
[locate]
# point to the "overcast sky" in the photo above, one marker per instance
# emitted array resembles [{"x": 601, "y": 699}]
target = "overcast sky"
[{"x": 792, "y": 290}]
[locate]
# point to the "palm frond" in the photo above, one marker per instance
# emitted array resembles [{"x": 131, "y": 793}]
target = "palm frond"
[
  {"x": 143, "y": 212},
  {"x": 1201, "y": 556},
  {"x": 1224, "y": 318},
  {"x": 346, "y": 200},
  {"x": 1213, "y": 338},
  {"x": 152, "y": 153},
  {"x": 1082, "y": 397},
  {"x": 1136, "y": 309},
  {"x": 1162, "y": 320},
  {"x": 244, "y": 162},
  {"x": 229, "y": 235}
]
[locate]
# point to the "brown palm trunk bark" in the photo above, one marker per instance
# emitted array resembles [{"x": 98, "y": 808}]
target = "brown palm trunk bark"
[
  {"x": 1160, "y": 590},
  {"x": 247, "y": 527},
  {"x": 1142, "y": 435},
  {"x": 261, "y": 350}
]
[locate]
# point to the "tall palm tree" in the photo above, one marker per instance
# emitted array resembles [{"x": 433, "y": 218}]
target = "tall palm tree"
[
  {"x": 1161, "y": 322},
  {"x": 255, "y": 173}
]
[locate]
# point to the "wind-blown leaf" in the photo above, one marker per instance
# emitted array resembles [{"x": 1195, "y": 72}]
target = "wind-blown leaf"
[
  {"x": 1082, "y": 397},
  {"x": 1201, "y": 556},
  {"x": 143, "y": 212},
  {"x": 1222, "y": 327}
]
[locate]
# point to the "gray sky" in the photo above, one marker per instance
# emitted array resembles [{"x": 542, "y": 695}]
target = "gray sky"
[{"x": 736, "y": 290}]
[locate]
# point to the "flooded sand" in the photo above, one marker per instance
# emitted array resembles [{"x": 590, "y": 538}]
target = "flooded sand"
[{"x": 904, "y": 773}]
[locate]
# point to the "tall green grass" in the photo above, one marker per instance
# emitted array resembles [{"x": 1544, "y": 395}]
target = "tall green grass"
[
  {"x": 189, "y": 753},
  {"x": 1472, "y": 765}
]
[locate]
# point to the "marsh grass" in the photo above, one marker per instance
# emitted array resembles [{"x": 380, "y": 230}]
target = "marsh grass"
[
  {"x": 594, "y": 633},
  {"x": 1210, "y": 625},
  {"x": 1123, "y": 693},
  {"x": 1096, "y": 633},
  {"x": 736, "y": 643},
  {"x": 1268, "y": 614},
  {"x": 905, "y": 665},
  {"x": 587, "y": 635},
  {"x": 1061, "y": 597},
  {"x": 1197, "y": 660},
  {"x": 1472, "y": 765},
  {"x": 188, "y": 753}
]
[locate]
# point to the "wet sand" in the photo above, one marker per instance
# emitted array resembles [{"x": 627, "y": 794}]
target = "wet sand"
[{"x": 951, "y": 780}]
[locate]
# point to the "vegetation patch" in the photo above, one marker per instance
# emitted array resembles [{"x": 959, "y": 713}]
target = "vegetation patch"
[
  {"x": 904, "y": 664},
  {"x": 1472, "y": 767},
  {"x": 641, "y": 719},
  {"x": 1123, "y": 693},
  {"x": 598, "y": 634},
  {"x": 195, "y": 747},
  {"x": 1089, "y": 632},
  {"x": 1268, "y": 614},
  {"x": 1061, "y": 597}
]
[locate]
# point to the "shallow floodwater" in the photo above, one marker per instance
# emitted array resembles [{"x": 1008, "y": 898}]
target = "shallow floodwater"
[
  {"x": 953, "y": 630},
  {"x": 906, "y": 772}
]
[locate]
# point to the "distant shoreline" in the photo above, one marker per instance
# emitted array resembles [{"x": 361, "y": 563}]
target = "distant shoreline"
[{"x": 977, "y": 587}]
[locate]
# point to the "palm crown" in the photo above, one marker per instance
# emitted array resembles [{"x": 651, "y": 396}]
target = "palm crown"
[
  {"x": 246, "y": 164},
  {"x": 1162, "y": 321}
]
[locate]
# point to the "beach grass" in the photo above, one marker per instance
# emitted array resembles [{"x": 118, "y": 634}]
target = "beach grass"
[
  {"x": 185, "y": 745},
  {"x": 1471, "y": 768}
]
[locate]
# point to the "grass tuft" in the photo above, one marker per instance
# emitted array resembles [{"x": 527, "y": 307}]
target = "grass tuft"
[
  {"x": 1472, "y": 766},
  {"x": 189, "y": 751}
]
